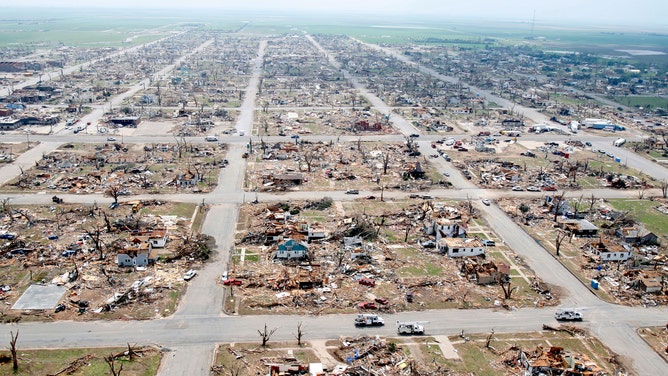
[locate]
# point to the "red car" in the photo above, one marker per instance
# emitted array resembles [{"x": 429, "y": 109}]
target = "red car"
[
  {"x": 549, "y": 188},
  {"x": 367, "y": 305},
  {"x": 232, "y": 282},
  {"x": 382, "y": 301},
  {"x": 367, "y": 282}
]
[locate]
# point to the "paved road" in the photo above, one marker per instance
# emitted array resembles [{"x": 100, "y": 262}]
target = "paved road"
[{"x": 191, "y": 333}]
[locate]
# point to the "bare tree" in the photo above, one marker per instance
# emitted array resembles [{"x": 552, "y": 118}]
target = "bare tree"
[
  {"x": 266, "y": 334},
  {"x": 386, "y": 162},
  {"x": 558, "y": 203},
  {"x": 308, "y": 158},
  {"x": 507, "y": 290},
  {"x": 95, "y": 233},
  {"x": 641, "y": 193},
  {"x": 561, "y": 236},
  {"x": 489, "y": 339},
  {"x": 111, "y": 362},
  {"x": 592, "y": 202},
  {"x": 664, "y": 188},
  {"x": 300, "y": 334},
  {"x": 12, "y": 349},
  {"x": 114, "y": 191}
]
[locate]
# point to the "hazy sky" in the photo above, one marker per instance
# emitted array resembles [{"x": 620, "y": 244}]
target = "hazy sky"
[{"x": 611, "y": 12}]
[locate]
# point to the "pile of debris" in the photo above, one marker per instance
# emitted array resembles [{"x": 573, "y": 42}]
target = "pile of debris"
[{"x": 555, "y": 361}]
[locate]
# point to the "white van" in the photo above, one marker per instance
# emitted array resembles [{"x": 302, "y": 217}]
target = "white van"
[{"x": 211, "y": 138}]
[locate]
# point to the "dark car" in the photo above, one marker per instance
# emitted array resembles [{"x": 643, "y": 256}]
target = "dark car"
[
  {"x": 7, "y": 236},
  {"x": 415, "y": 135}
]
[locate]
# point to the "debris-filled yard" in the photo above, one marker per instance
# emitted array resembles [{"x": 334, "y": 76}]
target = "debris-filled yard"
[
  {"x": 118, "y": 169},
  {"x": 134, "y": 360},
  {"x": 331, "y": 257},
  {"x": 123, "y": 261},
  {"x": 657, "y": 338},
  {"x": 534, "y": 166},
  {"x": 296, "y": 165},
  {"x": 617, "y": 248},
  {"x": 559, "y": 348}
]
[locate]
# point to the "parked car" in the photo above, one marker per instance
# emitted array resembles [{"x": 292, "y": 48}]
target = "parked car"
[
  {"x": 367, "y": 305},
  {"x": 352, "y": 192},
  {"x": 487, "y": 242},
  {"x": 533, "y": 188},
  {"x": 415, "y": 135},
  {"x": 232, "y": 282},
  {"x": 7, "y": 236},
  {"x": 517, "y": 188},
  {"x": 295, "y": 136},
  {"x": 367, "y": 282},
  {"x": 190, "y": 274},
  {"x": 382, "y": 301},
  {"x": 486, "y": 201},
  {"x": 549, "y": 188},
  {"x": 446, "y": 173},
  {"x": 111, "y": 139}
]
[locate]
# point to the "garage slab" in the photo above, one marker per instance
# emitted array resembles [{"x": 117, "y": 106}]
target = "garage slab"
[{"x": 40, "y": 297}]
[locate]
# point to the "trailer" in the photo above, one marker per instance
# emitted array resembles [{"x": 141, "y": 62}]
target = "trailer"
[
  {"x": 619, "y": 142},
  {"x": 369, "y": 319},
  {"x": 411, "y": 327}
]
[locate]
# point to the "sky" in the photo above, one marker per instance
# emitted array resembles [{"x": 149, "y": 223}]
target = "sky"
[{"x": 607, "y": 12}]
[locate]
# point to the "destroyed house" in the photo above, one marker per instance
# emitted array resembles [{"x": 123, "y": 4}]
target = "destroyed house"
[
  {"x": 289, "y": 178},
  {"x": 312, "y": 233},
  {"x": 446, "y": 228},
  {"x": 636, "y": 235},
  {"x": 579, "y": 227},
  {"x": 135, "y": 255},
  {"x": 459, "y": 247},
  {"x": 158, "y": 238},
  {"x": 649, "y": 283},
  {"x": 291, "y": 250},
  {"x": 609, "y": 251},
  {"x": 486, "y": 273}
]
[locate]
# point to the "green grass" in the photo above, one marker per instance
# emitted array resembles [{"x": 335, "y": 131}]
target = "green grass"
[
  {"x": 644, "y": 212},
  {"x": 45, "y": 362},
  {"x": 642, "y": 101}
]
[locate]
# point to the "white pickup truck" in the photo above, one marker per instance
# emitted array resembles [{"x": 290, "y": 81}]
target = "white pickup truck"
[
  {"x": 568, "y": 315},
  {"x": 369, "y": 319},
  {"x": 410, "y": 327}
]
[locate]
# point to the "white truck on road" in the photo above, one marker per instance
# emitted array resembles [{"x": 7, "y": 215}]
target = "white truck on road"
[
  {"x": 567, "y": 314},
  {"x": 410, "y": 327},
  {"x": 619, "y": 142},
  {"x": 369, "y": 319}
]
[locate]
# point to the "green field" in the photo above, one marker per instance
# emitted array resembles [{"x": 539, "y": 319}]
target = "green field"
[
  {"x": 643, "y": 101},
  {"x": 643, "y": 211}
]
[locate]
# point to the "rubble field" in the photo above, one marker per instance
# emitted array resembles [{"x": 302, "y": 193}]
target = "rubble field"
[
  {"x": 118, "y": 169},
  {"x": 121, "y": 263},
  {"x": 322, "y": 166},
  {"x": 335, "y": 121},
  {"x": 657, "y": 338},
  {"x": 566, "y": 350},
  {"x": 332, "y": 257},
  {"x": 534, "y": 166},
  {"x": 608, "y": 249},
  {"x": 136, "y": 361},
  {"x": 563, "y": 349}
]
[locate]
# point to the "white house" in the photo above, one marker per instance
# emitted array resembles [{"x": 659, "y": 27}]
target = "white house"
[
  {"x": 446, "y": 228},
  {"x": 291, "y": 249},
  {"x": 609, "y": 251},
  {"x": 461, "y": 247},
  {"x": 158, "y": 238},
  {"x": 135, "y": 256}
]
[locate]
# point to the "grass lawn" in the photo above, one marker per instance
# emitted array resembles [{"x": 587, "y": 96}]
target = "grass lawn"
[
  {"x": 51, "y": 362},
  {"x": 643, "y": 211}
]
